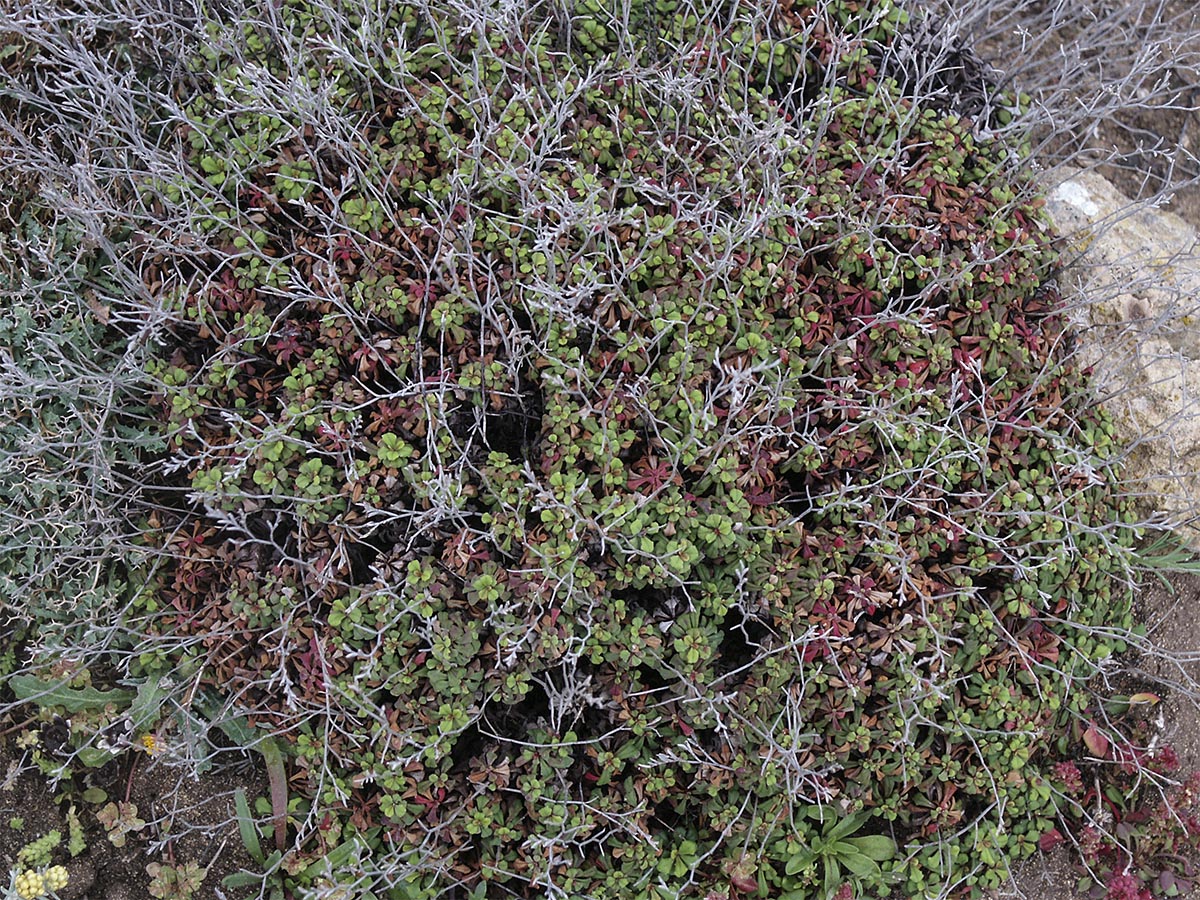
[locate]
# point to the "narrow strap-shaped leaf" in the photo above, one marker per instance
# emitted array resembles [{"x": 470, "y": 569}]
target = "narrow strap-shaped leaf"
[
  {"x": 833, "y": 876},
  {"x": 277, "y": 777},
  {"x": 246, "y": 826}
]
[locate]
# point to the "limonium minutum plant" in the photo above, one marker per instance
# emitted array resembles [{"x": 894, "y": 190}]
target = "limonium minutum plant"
[{"x": 606, "y": 449}]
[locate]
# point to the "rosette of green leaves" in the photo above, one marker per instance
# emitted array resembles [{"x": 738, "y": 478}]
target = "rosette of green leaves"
[{"x": 836, "y": 855}]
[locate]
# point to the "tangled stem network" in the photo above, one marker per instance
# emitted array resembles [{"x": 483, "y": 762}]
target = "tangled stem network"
[{"x": 618, "y": 450}]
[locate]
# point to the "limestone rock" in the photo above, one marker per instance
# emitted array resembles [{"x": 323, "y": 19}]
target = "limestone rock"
[{"x": 1134, "y": 280}]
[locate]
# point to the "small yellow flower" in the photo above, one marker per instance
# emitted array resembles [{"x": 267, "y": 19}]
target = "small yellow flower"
[
  {"x": 152, "y": 745},
  {"x": 56, "y": 878},
  {"x": 29, "y": 885}
]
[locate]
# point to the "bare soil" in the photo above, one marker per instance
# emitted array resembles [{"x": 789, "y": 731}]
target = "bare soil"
[
  {"x": 1171, "y": 613},
  {"x": 189, "y": 819}
]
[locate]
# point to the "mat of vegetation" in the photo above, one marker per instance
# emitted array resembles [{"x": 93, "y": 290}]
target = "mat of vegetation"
[{"x": 622, "y": 451}]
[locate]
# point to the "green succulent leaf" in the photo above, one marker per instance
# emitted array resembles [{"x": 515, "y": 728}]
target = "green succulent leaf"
[
  {"x": 800, "y": 862},
  {"x": 856, "y": 862},
  {"x": 874, "y": 846},
  {"x": 845, "y": 826}
]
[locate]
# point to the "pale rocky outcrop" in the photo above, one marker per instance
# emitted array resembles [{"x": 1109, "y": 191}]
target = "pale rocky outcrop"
[{"x": 1135, "y": 277}]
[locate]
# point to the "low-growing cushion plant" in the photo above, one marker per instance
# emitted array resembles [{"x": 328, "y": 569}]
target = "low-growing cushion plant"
[{"x": 626, "y": 450}]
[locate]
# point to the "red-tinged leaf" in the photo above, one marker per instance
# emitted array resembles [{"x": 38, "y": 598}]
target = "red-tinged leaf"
[
  {"x": 743, "y": 882},
  {"x": 1095, "y": 741},
  {"x": 1050, "y": 840}
]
